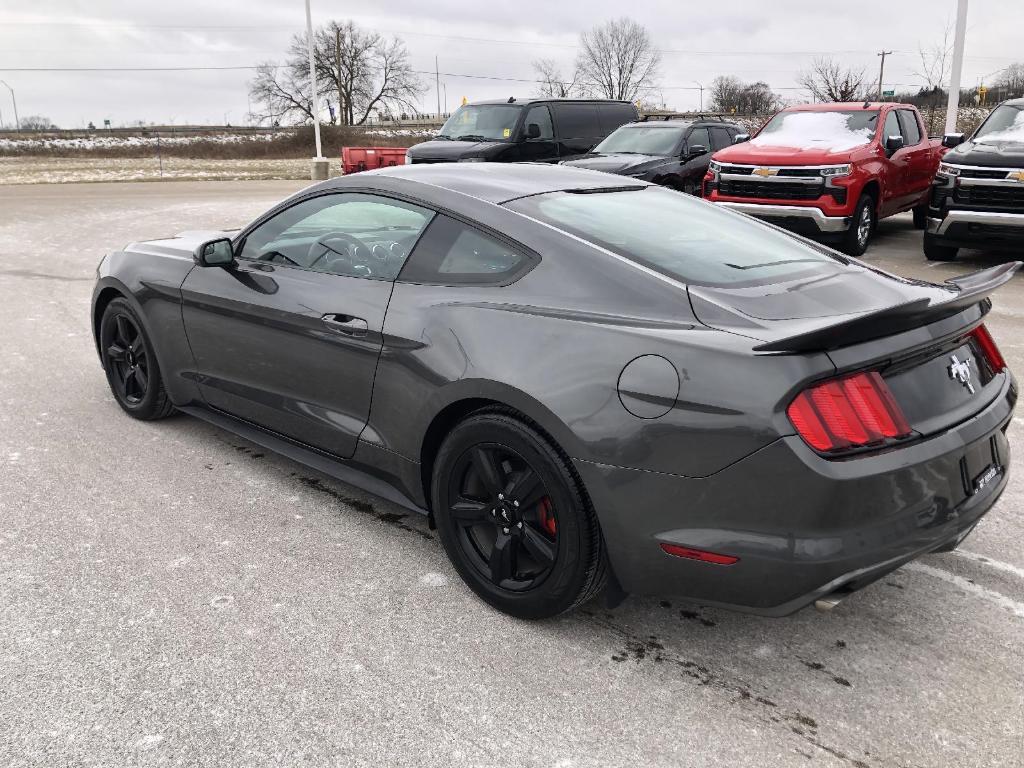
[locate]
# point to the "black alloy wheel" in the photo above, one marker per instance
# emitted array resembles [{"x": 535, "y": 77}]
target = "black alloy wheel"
[
  {"x": 513, "y": 518},
  {"x": 132, "y": 370}
]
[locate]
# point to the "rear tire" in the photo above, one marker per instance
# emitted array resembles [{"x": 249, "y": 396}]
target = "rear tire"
[
  {"x": 513, "y": 518},
  {"x": 935, "y": 252},
  {"x": 133, "y": 372},
  {"x": 920, "y": 217},
  {"x": 862, "y": 226}
]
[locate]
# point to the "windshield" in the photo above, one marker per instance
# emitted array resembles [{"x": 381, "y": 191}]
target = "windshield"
[
  {"x": 677, "y": 235},
  {"x": 481, "y": 122},
  {"x": 834, "y": 131},
  {"x": 642, "y": 140},
  {"x": 1006, "y": 123}
]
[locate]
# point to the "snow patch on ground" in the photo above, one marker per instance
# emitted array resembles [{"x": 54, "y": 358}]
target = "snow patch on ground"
[
  {"x": 820, "y": 130},
  {"x": 434, "y": 580}
]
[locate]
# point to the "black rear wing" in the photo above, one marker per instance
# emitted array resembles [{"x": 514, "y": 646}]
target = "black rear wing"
[{"x": 964, "y": 292}]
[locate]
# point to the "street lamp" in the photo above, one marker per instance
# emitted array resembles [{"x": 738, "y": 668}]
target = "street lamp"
[{"x": 17, "y": 123}]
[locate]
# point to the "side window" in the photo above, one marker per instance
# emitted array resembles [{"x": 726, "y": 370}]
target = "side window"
[
  {"x": 349, "y": 234},
  {"x": 891, "y": 128},
  {"x": 698, "y": 136},
  {"x": 453, "y": 253},
  {"x": 614, "y": 115},
  {"x": 576, "y": 121},
  {"x": 911, "y": 129},
  {"x": 541, "y": 115},
  {"x": 720, "y": 138}
]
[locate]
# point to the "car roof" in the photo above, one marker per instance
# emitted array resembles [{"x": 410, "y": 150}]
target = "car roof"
[
  {"x": 490, "y": 182},
  {"x": 845, "y": 106},
  {"x": 663, "y": 124},
  {"x": 548, "y": 100}
]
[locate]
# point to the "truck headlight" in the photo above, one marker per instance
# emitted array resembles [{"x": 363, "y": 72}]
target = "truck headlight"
[
  {"x": 836, "y": 170},
  {"x": 715, "y": 167}
]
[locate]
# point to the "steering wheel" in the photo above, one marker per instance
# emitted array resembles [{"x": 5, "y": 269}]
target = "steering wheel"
[{"x": 321, "y": 243}]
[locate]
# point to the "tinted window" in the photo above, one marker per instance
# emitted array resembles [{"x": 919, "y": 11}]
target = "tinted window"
[
  {"x": 576, "y": 121},
  {"x": 344, "y": 234},
  {"x": 614, "y": 115},
  {"x": 911, "y": 130},
  {"x": 452, "y": 253},
  {"x": 643, "y": 139},
  {"x": 892, "y": 127},
  {"x": 720, "y": 138},
  {"x": 678, "y": 235},
  {"x": 542, "y": 117},
  {"x": 698, "y": 136},
  {"x": 490, "y": 122}
]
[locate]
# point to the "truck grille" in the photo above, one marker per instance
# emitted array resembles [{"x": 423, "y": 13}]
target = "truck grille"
[
  {"x": 770, "y": 190},
  {"x": 418, "y": 160},
  {"x": 983, "y": 173},
  {"x": 1007, "y": 198}
]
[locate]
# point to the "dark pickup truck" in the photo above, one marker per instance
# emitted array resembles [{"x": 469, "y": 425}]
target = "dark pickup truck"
[{"x": 977, "y": 197}]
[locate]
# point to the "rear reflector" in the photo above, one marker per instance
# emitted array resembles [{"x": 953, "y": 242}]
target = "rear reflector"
[
  {"x": 849, "y": 412},
  {"x": 699, "y": 554},
  {"x": 988, "y": 348}
]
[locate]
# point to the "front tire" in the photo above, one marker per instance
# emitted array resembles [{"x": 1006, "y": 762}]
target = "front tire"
[
  {"x": 513, "y": 518},
  {"x": 921, "y": 216},
  {"x": 862, "y": 226},
  {"x": 936, "y": 252},
  {"x": 130, "y": 364}
]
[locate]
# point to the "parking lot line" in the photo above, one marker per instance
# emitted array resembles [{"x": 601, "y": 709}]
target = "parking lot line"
[{"x": 996, "y": 598}]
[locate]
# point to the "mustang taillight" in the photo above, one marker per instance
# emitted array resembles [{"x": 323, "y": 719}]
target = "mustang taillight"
[
  {"x": 849, "y": 412},
  {"x": 988, "y": 348}
]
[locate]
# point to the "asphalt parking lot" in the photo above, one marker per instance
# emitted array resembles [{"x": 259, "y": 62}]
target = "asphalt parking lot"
[{"x": 170, "y": 594}]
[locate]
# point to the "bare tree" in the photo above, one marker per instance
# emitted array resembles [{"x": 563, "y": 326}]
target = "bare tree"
[
  {"x": 730, "y": 94},
  {"x": 359, "y": 71},
  {"x": 36, "y": 123},
  {"x": 1010, "y": 83},
  {"x": 936, "y": 60},
  {"x": 552, "y": 84},
  {"x": 828, "y": 80},
  {"x": 618, "y": 60}
]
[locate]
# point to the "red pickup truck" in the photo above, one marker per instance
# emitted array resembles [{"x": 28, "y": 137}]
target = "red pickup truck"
[{"x": 830, "y": 171}]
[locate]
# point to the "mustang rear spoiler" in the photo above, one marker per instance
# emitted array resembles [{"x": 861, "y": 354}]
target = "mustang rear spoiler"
[{"x": 965, "y": 292}]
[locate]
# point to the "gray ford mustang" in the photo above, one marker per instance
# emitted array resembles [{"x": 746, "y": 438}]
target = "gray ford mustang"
[{"x": 587, "y": 382}]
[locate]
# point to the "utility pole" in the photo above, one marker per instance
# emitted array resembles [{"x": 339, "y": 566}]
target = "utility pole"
[
  {"x": 319, "y": 166},
  {"x": 953, "y": 102},
  {"x": 701, "y": 96},
  {"x": 437, "y": 83},
  {"x": 881, "y": 72},
  {"x": 17, "y": 122}
]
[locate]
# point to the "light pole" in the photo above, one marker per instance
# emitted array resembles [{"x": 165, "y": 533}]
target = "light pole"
[
  {"x": 320, "y": 164},
  {"x": 17, "y": 123},
  {"x": 953, "y": 102},
  {"x": 699, "y": 85}
]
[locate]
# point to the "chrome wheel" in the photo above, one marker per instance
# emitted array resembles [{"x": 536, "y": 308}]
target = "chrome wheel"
[{"x": 864, "y": 227}]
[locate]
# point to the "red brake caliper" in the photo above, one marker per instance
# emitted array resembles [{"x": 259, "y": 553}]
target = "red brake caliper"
[{"x": 546, "y": 517}]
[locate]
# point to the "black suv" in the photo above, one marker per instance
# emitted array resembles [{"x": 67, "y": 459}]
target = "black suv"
[
  {"x": 977, "y": 198},
  {"x": 673, "y": 150},
  {"x": 536, "y": 130}
]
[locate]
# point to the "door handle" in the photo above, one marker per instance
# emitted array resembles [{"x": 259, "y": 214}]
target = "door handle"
[{"x": 347, "y": 324}]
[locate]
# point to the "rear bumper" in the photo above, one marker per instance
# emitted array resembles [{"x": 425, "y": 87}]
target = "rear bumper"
[
  {"x": 802, "y": 526},
  {"x": 796, "y": 214},
  {"x": 969, "y": 229}
]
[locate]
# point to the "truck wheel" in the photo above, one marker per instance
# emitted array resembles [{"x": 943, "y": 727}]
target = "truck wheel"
[
  {"x": 862, "y": 226},
  {"x": 935, "y": 252},
  {"x": 920, "y": 216}
]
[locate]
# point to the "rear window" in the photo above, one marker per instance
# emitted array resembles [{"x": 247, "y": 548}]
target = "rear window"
[
  {"x": 576, "y": 121},
  {"x": 680, "y": 236}
]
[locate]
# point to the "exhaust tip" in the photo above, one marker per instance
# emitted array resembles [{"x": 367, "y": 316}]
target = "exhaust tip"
[{"x": 828, "y": 602}]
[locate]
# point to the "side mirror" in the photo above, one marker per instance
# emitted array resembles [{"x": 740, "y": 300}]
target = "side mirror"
[
  {"x": 739, "y": 138},
  {"x": 951, "y": 140},
  {"x": 214, "y": 253},
  {"x": 893, "y": 144},
  {"x": 696, "y": 150},
  {"x": 533, "y": 131}
]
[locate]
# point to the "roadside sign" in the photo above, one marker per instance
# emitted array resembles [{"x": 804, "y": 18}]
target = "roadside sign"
[{"x": 888, "y": 93}]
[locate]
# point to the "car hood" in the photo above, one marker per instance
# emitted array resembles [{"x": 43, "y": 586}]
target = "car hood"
[
  {"x": 617, "y": 163},
  {"x": 753, "y": 154},
  {"x": 442, "y": 149},
  {"x": 182, "y": 244},
  {"x": 997, "y": 154}
]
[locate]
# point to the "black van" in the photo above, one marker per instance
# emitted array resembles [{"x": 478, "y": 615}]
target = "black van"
[{"x": 535, "y": 130}]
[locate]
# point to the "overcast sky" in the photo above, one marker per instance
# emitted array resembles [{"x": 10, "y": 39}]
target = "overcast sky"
[{"x": 769, "y": 40}]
